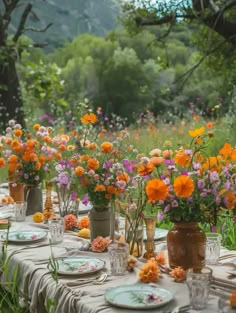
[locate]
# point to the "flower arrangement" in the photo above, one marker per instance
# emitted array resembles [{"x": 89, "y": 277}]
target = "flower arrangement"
[
  {"x": 27, "y": 153},
  {"x": 188, "y": 185}
]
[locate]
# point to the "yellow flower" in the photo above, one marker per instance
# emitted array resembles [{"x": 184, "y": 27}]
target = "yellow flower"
[{"x": 196, "y": 132}]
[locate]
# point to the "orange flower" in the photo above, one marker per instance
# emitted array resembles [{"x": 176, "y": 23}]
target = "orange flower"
[
  {"x": 227, "y": 152},
  {"x": 178, "y": 273},
  {"x": 149, "y": 272},
  {"x": 13, "y": 158},
  {"x": 100, "y": 188},
  {"x": 167, "y": 153},
  {"x": 156, "y": 189},
  {"x": 183, "y": 186},
  {"x": 111, "y": 190},
  {"x": 36, "y": 126},
  {"x": 156, "y": 161},
  {"x": 145, "y": 169},
  {"x": 83, "y": 222},
  {"x": 106, "y": 147},
  {"x": 209, "y": 125},
  {"x": 17, "y": 132},
  {"x": 124, "y": 177},
  {"x": 160, "y": 258},
  {"x": 212, "y": 164},
  {"x": 99, "y": 244},
  {"x": 196, "y": 132},
  {"x": 92, "y": 146},
  {"x": 182, "y": 159},
  {"x": 37, "y": 166},
  {"x": 89, "y": 118},
  {"x": 79, "y": 171},
  {"x": 93, "y": 164},
  {"x": 230, "y": 200},
  {"x": 2, "y": 162},
  {"x": 62, "y": 148}
]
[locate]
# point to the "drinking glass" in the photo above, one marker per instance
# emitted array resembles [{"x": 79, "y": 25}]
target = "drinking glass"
[
  {"x": 56, "y": 230},
  {"x": 213, "y": 243},
  {"x": 118, "y": 256},
  {"x": 20, "y": 210},
  {"x": 198, "y": 282}
]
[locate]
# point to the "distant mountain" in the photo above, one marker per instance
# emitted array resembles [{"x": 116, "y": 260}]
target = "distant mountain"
[{"x": 70, "y": 18}]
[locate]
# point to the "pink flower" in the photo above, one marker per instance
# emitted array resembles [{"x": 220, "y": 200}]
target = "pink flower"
[{"x": 99, "y": 244}]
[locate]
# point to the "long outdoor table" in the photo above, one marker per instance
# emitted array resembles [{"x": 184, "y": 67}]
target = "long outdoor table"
[{"x": 36, "y": 283}]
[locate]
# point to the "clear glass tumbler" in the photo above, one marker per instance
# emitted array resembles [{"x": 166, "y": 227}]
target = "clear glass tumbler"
[
  {"x": 198, "y": 282},
  {"x": 213, "y": 243},
  {"x": 56, "y": 230},
  {"x": 20, "y": 211},
  {"x": 118, "y": 256}
]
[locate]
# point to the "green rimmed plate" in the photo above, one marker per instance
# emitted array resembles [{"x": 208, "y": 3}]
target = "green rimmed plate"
[
  {"x": 79, "y": 265},
  {"x": 27, "y": 236},
  {"x": 140, "y": 296}
]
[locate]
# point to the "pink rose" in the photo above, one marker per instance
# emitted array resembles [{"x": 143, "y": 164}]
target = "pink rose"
[{"x": 99, "y": 244}]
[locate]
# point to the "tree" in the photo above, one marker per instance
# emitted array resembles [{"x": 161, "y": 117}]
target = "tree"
[{"x": 11, "y": 104}]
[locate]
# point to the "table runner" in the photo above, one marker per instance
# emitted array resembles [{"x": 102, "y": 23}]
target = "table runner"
[{"x": 36, "y": 282}]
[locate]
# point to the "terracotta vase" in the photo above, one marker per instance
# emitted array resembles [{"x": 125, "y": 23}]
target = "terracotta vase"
[
  {"x": 100, "y": 222},
  {"x": 34, "y": 199},
  {"x": 16, "y": 190},
  {"x": 186, "y": 245}
]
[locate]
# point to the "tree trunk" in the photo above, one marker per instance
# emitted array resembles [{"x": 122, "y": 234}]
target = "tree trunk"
[{"x": 11, "y": 105}]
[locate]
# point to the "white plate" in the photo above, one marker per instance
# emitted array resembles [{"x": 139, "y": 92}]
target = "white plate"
[
  {"x": 79, "y": 265},
  {"x": 159, "y": 234},
  {"x": 140, "y": 296},
  {"x": 84, "y": 208},
  {"x": 26, "y": 236}
]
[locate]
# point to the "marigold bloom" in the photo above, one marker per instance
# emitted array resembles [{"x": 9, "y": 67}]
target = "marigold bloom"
[
  {"x": 100, "y": 188},
  {"x": 36, "y": 126},
  {"x": 196, "y": 132},
  {"x": 178, "y": 274},
  {"x": 156, "y": 189},
  {"x": 111, "y": 190},
  {"x": 156, "y": 160},
  {"x": 183, "y": 186},
  {"x": 13, "y": 158},
  {"x": 93, "y": 164},
  {"x": 123, "y": 176},
  {"x": 160, "y": 258},
  {"x": 83, "y": 222},
  {"x": 92, "y": 146},
  {"x": 79, "y": 171},
  {"x": 182, "y": 159},
  {"x": 2, "y": 162},
  {"x": 17, "y": 132},
  {"x": 146, "y": 169},
  {"x": 149, "y": 272},
  {"x": 89, "y": 118},
  {"x": 106, "y": 147}
]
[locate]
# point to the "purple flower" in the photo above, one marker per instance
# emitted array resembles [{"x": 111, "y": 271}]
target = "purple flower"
[
  {"x": 188, "y": 152},
  {"x": 167, "y": 208},
  {"x": 184, "y": 173},
  {"x": 200, "y": 184},
  {"x": 214, "y": 229},
  {"x": 227, "y": 184},
  {"x": 160, "y": 216},
  {"x": 174, "y": 204},
  {"x": 85, "y": 200},
  {"x": 73, "y": 196},
  {"x": 63, "y": 179},
  {"x": 36, "y": 178},
  {"x": 128, "y": 166},
  {"x": 169, "y": 162},
  {"x": 26, "y": 176},
  {"x": 196, "y": 166},
  {"x": 107, "y": 165}
]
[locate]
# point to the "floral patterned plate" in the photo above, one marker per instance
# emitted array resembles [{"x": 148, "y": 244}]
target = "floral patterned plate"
[
  {"x": 159, "y": 234},
  {"x": 140, "y": 296},
  {"x": 26, "y": 236},
  {"x": 79, "y": 265}
]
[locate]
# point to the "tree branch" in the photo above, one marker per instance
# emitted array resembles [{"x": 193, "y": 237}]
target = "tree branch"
[
  {"x": 42, "y": 30},
  {"x": 23, "y": 19}
]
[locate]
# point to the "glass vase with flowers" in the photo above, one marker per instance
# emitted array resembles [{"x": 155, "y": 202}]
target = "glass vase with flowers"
[{"x": 190, "y": 186}]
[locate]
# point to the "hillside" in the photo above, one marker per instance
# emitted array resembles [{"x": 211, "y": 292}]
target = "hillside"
[{"x": 70, "y": 18}]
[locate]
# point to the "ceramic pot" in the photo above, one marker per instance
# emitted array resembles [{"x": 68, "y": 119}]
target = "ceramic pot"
[
  {"x": 16, "y": 190},
  {"x": 34, "y": 199},
  {"x": 186, "y": 245},
  {"x": 100, "y": 223}
]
